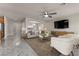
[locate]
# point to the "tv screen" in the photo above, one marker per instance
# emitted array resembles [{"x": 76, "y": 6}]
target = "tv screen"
[{"x": 61, "y": 24}]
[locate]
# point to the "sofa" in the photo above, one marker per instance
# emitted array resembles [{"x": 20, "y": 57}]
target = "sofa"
[{"x": 64, "y": 44}]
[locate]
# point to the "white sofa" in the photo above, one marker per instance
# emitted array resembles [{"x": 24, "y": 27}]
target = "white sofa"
[{"x": 64, "y": 44}]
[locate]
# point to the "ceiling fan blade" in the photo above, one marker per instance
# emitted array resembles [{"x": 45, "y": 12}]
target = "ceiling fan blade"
[
  {"x": 50, "y": 16},
  {"x": 63, "y": 4},
  {"x": 52, "y": 13},
  {"x": 45, "y": 13}
]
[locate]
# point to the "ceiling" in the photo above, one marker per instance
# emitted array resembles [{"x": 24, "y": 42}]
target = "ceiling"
[{"x": 34, "y": 10}]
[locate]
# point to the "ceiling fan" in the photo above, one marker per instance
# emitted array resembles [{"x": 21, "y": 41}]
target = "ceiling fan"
[{"x": 47, "y": 14}]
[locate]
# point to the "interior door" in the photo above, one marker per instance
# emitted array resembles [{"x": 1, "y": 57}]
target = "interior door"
[{"x": 1, "y": 28}]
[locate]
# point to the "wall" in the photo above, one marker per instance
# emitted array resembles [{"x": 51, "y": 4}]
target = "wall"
[
  {"x": 47, "y": 23},
  {"x": 12, "y": 32},
  {"x": 73, "y": 23}
]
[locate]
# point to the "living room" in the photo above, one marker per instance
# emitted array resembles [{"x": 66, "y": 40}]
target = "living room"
[
  {"x": 37, "y": 25},
  {"x": 49, "y": 30}
]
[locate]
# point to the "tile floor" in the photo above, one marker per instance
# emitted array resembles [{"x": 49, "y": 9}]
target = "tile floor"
[{"x": 21, "y": 50}]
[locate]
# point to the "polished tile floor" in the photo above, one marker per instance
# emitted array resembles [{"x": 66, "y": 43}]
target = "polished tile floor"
[{"x": 23, "y": 49}]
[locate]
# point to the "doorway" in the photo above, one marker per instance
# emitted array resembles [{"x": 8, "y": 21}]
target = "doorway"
[{"x": 1, "y": 29}]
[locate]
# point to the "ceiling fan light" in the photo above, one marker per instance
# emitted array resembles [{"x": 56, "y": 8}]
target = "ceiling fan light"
[{"x": 45, "y": 15}]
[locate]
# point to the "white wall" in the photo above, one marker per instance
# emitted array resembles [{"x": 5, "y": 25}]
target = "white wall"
[
  {"x": 47, "y": 24},
  {"x": 12, "y": 32},
  {"x": 73, "y": 23}
]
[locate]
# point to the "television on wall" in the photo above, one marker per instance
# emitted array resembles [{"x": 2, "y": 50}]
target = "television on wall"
[{"x": 61, "y": 24}]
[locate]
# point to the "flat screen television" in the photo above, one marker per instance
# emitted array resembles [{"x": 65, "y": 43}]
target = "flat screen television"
[{"x": 61, "y": 24}]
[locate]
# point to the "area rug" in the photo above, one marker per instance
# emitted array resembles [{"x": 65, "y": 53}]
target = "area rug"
[{"x": 42, "y": 47}]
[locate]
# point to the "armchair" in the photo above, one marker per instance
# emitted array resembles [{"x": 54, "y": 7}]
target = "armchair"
[{"x": 43, "y": 35}]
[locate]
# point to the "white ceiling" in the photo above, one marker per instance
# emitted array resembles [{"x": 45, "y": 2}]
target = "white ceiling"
[{"x": 34, "y": 10}]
